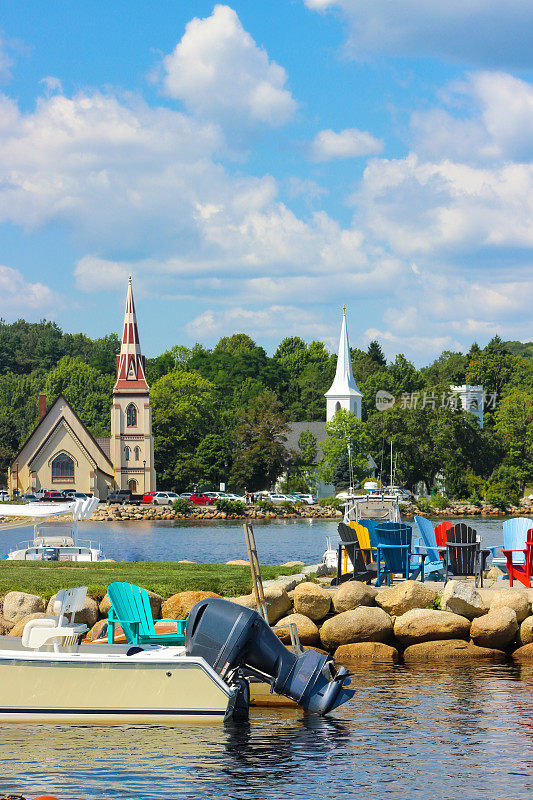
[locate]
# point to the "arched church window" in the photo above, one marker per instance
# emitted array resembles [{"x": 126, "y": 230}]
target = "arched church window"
[
  {"x": 62, "y": 466},
  {"x": 132, "y": 485},
  {"x": 337, "y": 406},
  {"x": 137, "y": 452},
  {"x": 126, "y": 453},
  {"x": 131, "y": 416}
]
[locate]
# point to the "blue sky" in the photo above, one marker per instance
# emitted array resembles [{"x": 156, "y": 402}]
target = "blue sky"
[{"x": 258, "y": 164}]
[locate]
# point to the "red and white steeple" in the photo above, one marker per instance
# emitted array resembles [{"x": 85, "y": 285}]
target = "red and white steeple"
[{"x": 130, "y": 361}]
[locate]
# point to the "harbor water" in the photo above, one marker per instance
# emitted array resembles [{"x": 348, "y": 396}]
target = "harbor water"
[
  {"x": 278, "y": 540},
  {"x": 446, "y": 734}
]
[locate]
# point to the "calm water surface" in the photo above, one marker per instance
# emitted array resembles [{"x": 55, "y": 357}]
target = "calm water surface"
[
  {"x": 216, "y": 542},
  {"x": 431, "y": 734}
]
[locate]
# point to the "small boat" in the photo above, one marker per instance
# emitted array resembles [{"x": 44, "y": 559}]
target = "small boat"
[
  {"x": 57, "y": 541},
  {"x": 46, "y": 676}
]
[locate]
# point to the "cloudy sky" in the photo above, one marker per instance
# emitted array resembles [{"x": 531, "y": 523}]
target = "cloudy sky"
[{"x": 257, "y": 165}]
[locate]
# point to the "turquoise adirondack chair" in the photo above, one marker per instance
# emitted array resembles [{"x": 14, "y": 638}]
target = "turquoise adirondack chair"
[
  {"x": 130, "y": 608},
  {"x": 433, "y": 566},
  {"x": 395, "y": 554},
  {"x": 514, "y": 538}
]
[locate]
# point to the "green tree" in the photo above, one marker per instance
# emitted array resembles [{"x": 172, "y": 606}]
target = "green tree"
[
  {"x": 185, "y": 409},
  {"x": 376, "y": 354},
  {"x": 259, "y": 454},
  {"x": 86, "y": 389},
  {"x": 513, "y": 424},
  {"x": 307, "y": 445},
  {"x": 213, "y": 459},
  {"x": 344, "y": 431},
  {"x": 492, "y": 367}
]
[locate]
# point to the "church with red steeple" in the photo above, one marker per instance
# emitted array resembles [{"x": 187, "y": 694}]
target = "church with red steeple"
[
  {"x": 62, "y": 454},
  {"x": 132, "y": 444}
]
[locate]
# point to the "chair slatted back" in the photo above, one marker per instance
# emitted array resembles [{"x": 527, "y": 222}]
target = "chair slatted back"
[
  {"x": 131, "y": 602},
  {"x": 427, "y": 534},
  {"x": 515, "y": 534},
  {"x": 371, "y": 525},
  {"x": 351, "y": 543},
  {"x": 440, "y": 533},
  {"x": 462, "y": 559},
  {"x": 69, "y": 601},
  {"x": 394, "y": 533},
  {"x": 363, "y": 537}
]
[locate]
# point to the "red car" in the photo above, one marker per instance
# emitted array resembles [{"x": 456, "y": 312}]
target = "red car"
[
  {"x": 55, "y": 497},
  {"x": 148, "y": 497},
  {"x": 201, "y": 499}
]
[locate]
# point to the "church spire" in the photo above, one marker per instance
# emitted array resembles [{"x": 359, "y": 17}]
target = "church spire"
[
  {"x": 343, "y": 392},
  {"x": 130, "y": 361}
]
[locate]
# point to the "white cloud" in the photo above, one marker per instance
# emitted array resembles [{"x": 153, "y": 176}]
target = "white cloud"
[
  {"x": 275, "y": 321},
  {"x": 220, "y": 73},
  {"x": 481, "y": 32},
  {"x": 348, "y": 143},
  {"x": 18, "y": 296}
]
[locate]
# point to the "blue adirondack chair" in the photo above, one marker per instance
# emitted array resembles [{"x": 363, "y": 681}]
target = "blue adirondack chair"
[
  {"x": 433, "y": 565},
  {"x": 514, "y": 538},
  {"x": 395, "y": 554},
  {"x": 130, "y": 608}
]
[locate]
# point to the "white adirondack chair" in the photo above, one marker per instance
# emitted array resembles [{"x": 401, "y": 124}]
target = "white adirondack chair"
[{"x": 57, "y": 629}]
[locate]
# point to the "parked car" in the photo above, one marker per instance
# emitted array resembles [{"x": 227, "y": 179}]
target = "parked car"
[
  {"x": 52, "y": 496},
  {"x": 201, "y": 499},
  {"x": 40, "y": 493},
  {"x": 186, "y": 495},
  {"x": 302, "y": 497},
  {"x": 280, "y": 498},
  {"x": 148, "y": 497},
  {"x": 29, "y": 498},
  {"x": 124, "y": 496},
  {"x": 4, "y": 496},
  {"x": 164, "y": 498}
]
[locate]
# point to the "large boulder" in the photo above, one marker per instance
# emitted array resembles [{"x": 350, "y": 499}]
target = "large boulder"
[
  {"x": 525, "y": 634},
  {"x": 403, "y": 597},
  {"x": 18, "y": 627},
  {"x": 179, "y": 605},
  {"x": 156, "y": 601},
  {"x": 88, "y": 614},
  {"x": 497, "y": 629},
  {"x": 353, "y": 594},
  {"x": 367, "y": 651},
  {"x": 307, "y": 630},
  {"x": 427, "y": 625},
  {"x": 524, "y": 653},
  {"x": 461, "y": 598},
  {"x": 450, "y": 650},
  {"x": 276, "y": 600},
  {"x": 511, "y": 598},
  {"x": 18, "y": 605},
  {"x": 311, "y": 600},
  {"x": 363, "y": 624}
]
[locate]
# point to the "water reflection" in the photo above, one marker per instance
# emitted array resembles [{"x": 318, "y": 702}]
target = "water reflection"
[{"x": 433, "y": 734}]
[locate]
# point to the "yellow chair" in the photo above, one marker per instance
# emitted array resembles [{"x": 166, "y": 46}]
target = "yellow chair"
[{"x": 363, "y": 537}]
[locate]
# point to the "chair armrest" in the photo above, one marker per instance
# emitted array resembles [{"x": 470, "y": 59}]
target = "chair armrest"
[
  {"x": 462, "y": 544},
  {"x": 178, "y": 621},
  {"x": 114, "y": 619},
  {"x": 393, "y": 546}
]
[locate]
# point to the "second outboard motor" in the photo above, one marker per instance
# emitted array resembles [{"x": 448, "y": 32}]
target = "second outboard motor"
[
  {"x": 229, "y": 636},
  {"x": 50, "y": 554}
]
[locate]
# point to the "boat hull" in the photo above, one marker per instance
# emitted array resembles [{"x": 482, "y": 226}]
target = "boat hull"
[{"x": 119, "y": 692}]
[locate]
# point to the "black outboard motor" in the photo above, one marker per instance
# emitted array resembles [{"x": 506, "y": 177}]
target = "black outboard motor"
[
  {"x": 229, "y": 636},
  {"x": 50, "y": 554}
]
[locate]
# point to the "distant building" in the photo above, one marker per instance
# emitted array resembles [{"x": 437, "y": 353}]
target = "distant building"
[
  {"x": 343, "y": 394},
  {"x": 61, "y": 453},
  {"x": 472, "y": 399}
]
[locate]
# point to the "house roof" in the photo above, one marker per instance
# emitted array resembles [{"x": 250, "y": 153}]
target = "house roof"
[
  {"x": 295, "y": 430},
  {"x": 44, "y": 419}
]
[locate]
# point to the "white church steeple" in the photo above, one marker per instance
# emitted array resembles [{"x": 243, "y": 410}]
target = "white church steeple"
[{"x": 343, "y": 392}]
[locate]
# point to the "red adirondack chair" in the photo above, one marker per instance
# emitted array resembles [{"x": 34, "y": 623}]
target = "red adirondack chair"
[
  {"x": 522, "y": 572},
  {"x": 440, "y": 534}
]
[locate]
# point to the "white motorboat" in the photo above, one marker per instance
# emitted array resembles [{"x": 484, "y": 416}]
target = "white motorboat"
[
  {"x": 48, "y": 677},
  {"x": 57, "y": 541}
]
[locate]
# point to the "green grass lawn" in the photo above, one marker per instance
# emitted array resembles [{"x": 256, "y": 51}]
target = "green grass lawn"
[{"x": 163, "y": 577}]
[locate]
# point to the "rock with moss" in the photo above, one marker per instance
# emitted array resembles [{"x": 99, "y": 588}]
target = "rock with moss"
[
  {"x": 403, "y": 597},
  {"x": 450, "y": 650}
]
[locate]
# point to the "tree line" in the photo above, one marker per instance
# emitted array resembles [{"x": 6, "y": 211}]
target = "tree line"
[{"x": 221, "y": 414}]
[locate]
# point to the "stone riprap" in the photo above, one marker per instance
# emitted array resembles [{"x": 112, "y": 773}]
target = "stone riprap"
[{"x": 357, "y": 622}]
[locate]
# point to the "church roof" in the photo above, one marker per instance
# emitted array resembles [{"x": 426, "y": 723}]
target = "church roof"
[
  {"x": 344, "y": 384},
  {"x": 130, "y": 361}
]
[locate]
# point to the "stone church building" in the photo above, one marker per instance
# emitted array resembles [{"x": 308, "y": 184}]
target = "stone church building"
[{"x": 62, "y": 454}]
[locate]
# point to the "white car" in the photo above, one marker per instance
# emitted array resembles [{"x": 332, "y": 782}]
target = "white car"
[
  {"x": 280, "y": 498},
  {"x": 306, "y": 498},
  {"x": 164, "y": 498}
]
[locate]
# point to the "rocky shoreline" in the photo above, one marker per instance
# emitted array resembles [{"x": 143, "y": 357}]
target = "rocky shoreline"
[
  {"x": 410, "y": 622},
  {"x": 107, "y": 513}
]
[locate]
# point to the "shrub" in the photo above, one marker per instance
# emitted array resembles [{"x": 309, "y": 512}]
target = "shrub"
[
  {"x": 182, "y": 507},
  {"x": 266, "y": 505},
  {"x": 500, "y": 495},
  {"x": 288, "y": 506},
  {"x": 424, "y": 505},
  {"x": 331, "y": 502},
  {"x": 439, "y": 501},
  {"x": 231, "y": 506}
]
